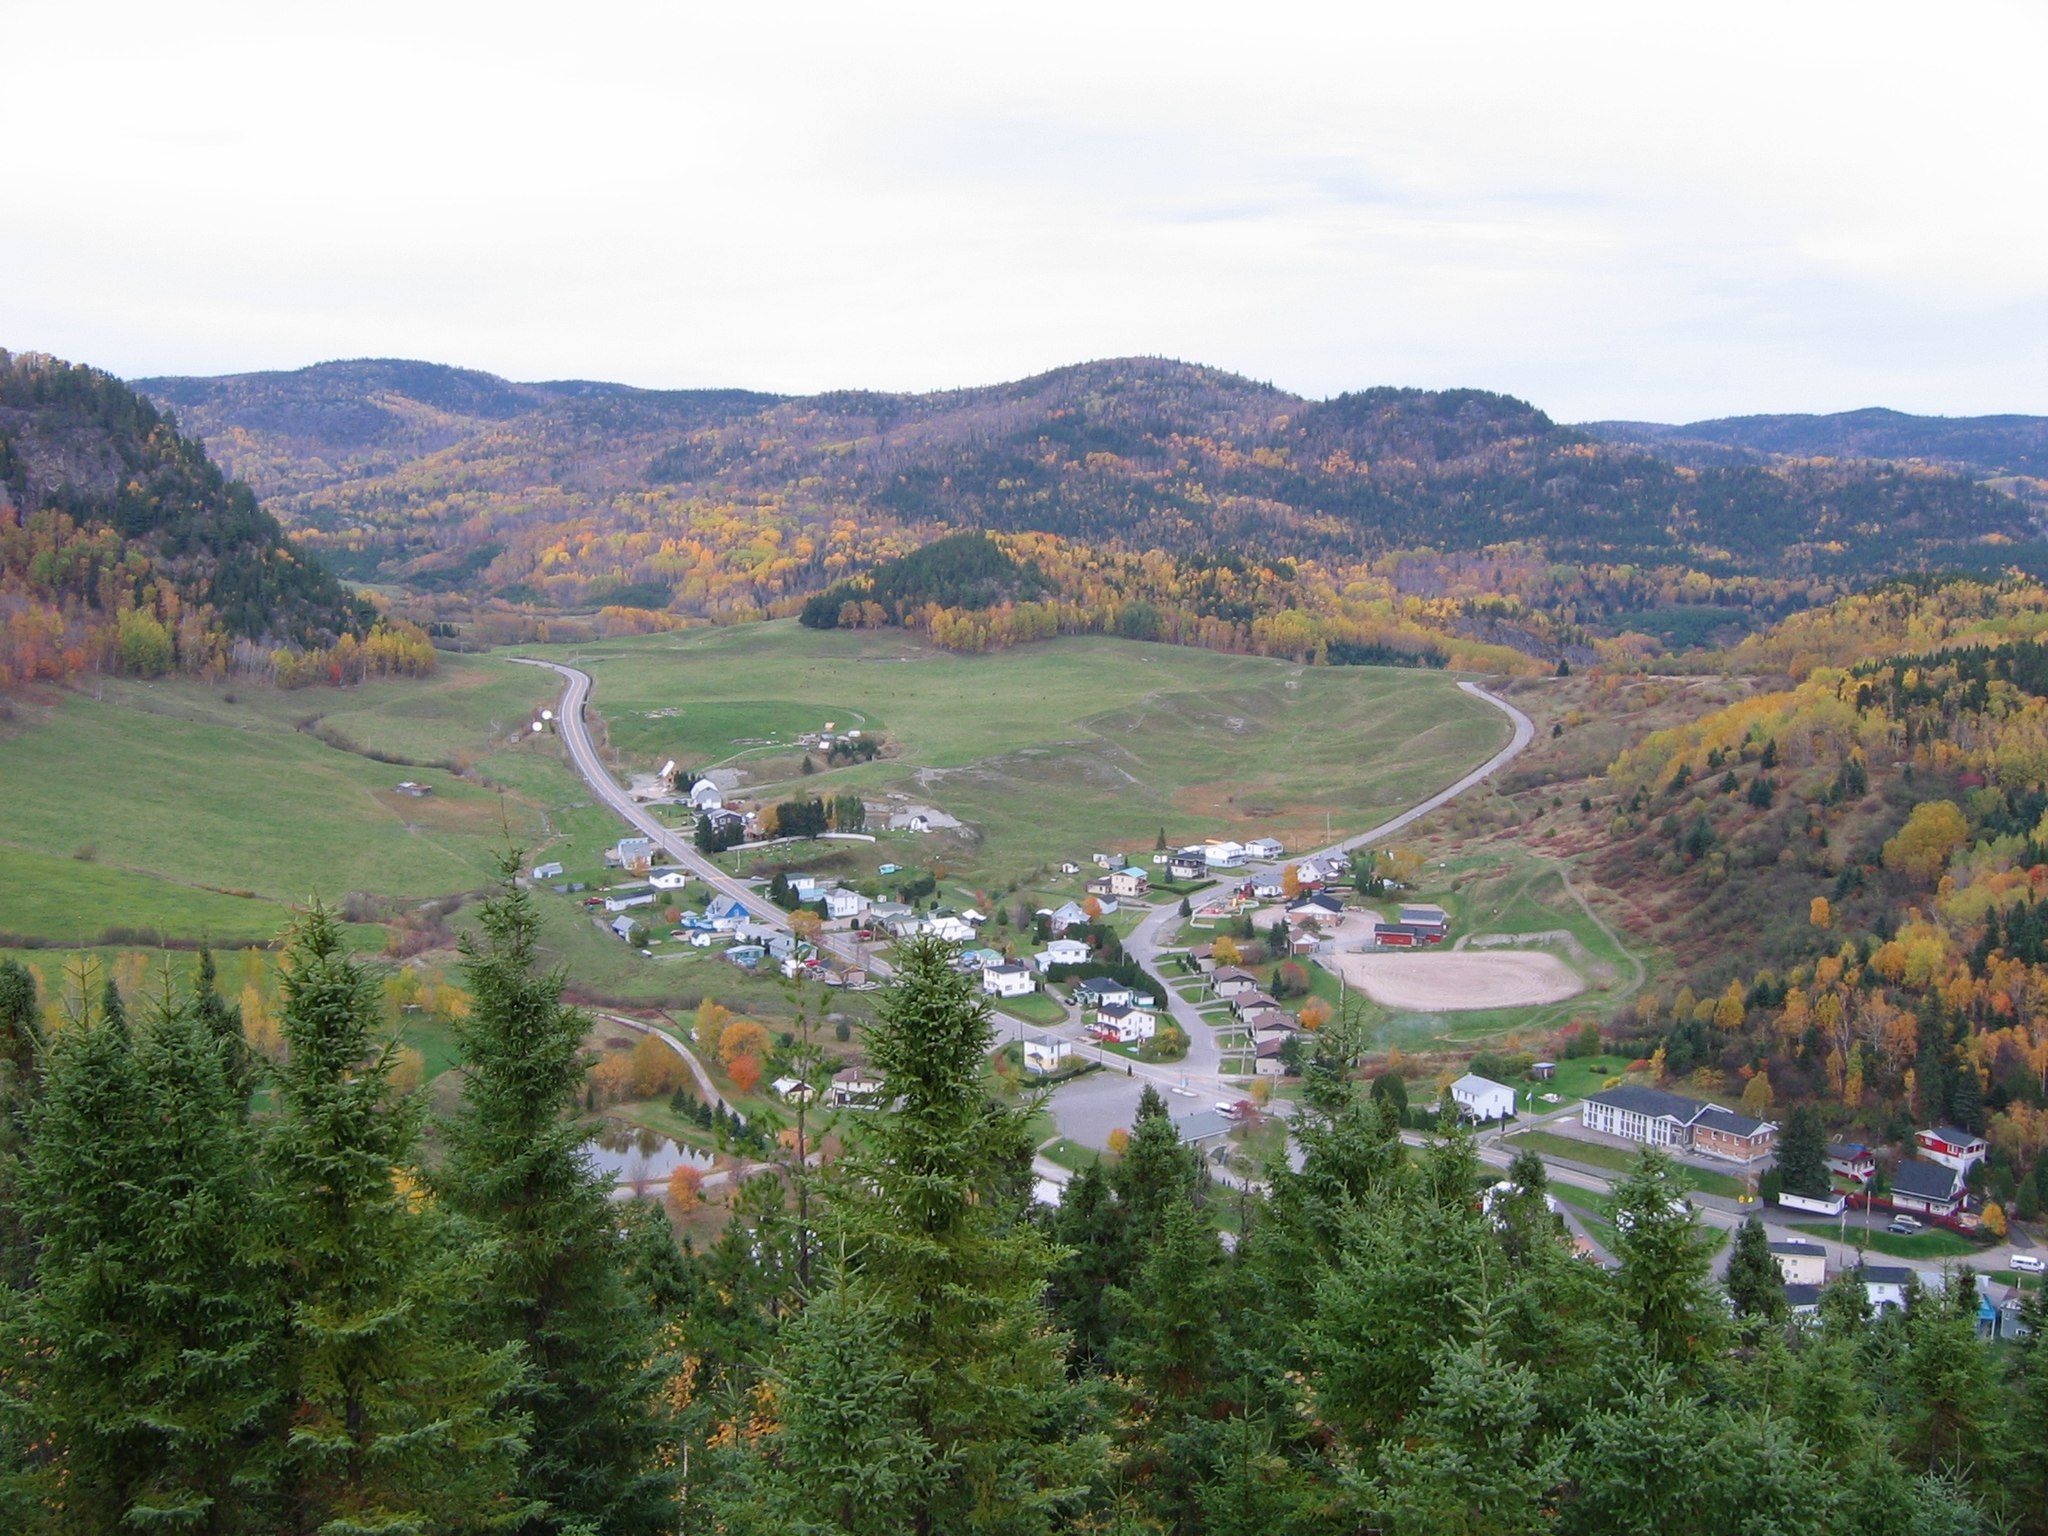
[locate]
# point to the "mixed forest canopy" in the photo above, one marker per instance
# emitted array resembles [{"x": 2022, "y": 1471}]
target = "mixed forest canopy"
[
  {"x": 1148, "y": 496},
  {"x": 124, "y": 548}
]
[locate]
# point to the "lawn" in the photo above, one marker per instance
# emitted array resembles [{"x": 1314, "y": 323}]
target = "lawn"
[
  {"x": 1049, "y": 751},
  {"x": 1033, "y": 1008},
  {"x": 1933, "y": 1243},
  {"x": 1622, "y": 1160}
]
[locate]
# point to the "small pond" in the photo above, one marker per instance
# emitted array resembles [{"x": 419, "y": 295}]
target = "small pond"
[{"x": 641, "y": 1160}]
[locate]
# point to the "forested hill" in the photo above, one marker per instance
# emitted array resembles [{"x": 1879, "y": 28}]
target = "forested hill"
[
  {"x": 729, "y": 504},
  {"x": 122, "y": 545},
  {"x": 1985, "y": 447}
]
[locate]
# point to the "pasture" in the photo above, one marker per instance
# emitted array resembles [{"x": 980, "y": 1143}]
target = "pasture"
[{"x": 1048, "y": 751}]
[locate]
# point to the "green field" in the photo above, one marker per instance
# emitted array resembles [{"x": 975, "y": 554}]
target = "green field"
[
  {"x": 1048, "y": 751},
  {"x": 1933, "y": 1243}
]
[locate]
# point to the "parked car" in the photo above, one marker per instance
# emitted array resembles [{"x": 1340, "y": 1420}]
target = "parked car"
[
  {"x": 1902, "y": 1226},
  {"x": 2032, "y": 1263}
]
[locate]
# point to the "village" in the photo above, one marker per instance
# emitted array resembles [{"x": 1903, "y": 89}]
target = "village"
[{"x": 1203, "y": 970}]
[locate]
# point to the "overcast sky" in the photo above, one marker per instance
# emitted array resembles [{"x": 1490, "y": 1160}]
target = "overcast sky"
[{"x": 1613, "y": 210}]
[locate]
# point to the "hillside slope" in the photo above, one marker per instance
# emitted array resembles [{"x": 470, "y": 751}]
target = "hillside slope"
[
  {"x": 727, "y": 504},
  {"x": 121, "y": 542},
  {"x": 1984, "y": 447}
]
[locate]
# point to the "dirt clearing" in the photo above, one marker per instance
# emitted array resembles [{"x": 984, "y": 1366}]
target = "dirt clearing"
[{"x": 1439, "y": 983}]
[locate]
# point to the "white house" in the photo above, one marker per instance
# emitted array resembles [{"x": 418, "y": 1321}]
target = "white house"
[
  {"x": 706, "y": 796},
  {"x": 842, "y": 903},
  {"x": 951, "y": 929},
  {"x": 1046, "y": 1053},
  {"x": 1887, "y": 1285},
  {"x": 1097, "y": 990},
  {"x": 1125, "y": 1023},
  {"x": 1223, "y": 855},
  {"x": 1636, "y": 1113},
  {"x": 623, "y": 927},
  {"x": 1129, "y": 881},
  {"x": 627, "y": 903},
  {"x": 1269, "y": 1055},
  {"x": 548, "y": 871},
  {"x": 1060, "y": 952},
  {"x": 1264, "y": 848},
  {"x": 1065, "y": 916},
  {"x": 1232, "y": 982},
  {"x": 1482, "y": 1098},
  {"x": 629, "y": 851},
  {"x": 669, "y": 879},
  {"x": 855, "y": 1087},
  {"x": 1009, "y": 980},
  {"x": 1186, "y": 866},
  {"x": 1800, "y": 1262},
  {"x": 1935, "y": 1188}
]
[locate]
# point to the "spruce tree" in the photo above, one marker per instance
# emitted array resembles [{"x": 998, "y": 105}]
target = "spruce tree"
[
  {"x": 157, "y": 1322},
  {"x": 1803, "y": 1154},
  {"x": 954, "y": 1270},
  {"x": 1664, "y": 1266},
  {"x": 225, "y": 1020},
  {"x": 398, "y": 1420},
  {"x": 1754, "y": 1282},
  {"x": 558, "y": 1285}
]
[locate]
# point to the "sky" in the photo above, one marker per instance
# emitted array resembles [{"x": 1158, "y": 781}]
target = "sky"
[{"x": 1614, "y": 210}]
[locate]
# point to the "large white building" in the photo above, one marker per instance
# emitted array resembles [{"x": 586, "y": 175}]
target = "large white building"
[{"x": 1008, "y": 980}]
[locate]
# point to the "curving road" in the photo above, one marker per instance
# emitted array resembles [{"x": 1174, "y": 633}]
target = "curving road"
[{"x": 575, "y": 736}]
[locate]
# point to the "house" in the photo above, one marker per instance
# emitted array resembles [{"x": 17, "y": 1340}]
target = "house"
[
  {"x": 1186, "y": 866},
  {"x": 1319, "y": 905},
  {"x": 856, "y": 1088},
  {"x": 631, "y": 851},
  {"x": 842, "y": 904},
  {"x": 890, "y": 869},
  {"x": 1426, "y": 915},
  {"x": 628, "y": 902},
  {"x": 1095, "y": 991},
  {"x": 1918, "y": 1185},
  {"x": 725, "y": 914},
  {"x": 1199, "y": 1127},
  {"x": 1219, "y": 854},
  {"x": 1723, "y": 1133},
  {"x": 1232, "y": 982},
  {"x": 1263, "y": 848},
  {"x": 1266, "y": 887},
  {"x": 746, "y": 956},
  {"x": 1069, "y": 867},
  {"x": 1481, "y": 1098},
  {"x": 1953, "y": 1147},
  {"x": 1269, "y": 1056},
  {"x": 1405, "y": 936},
  {"x": 1104, "y": 905},
  {"x": 1314, "y": 872},
  {"x": 952, "y": 929},
  {"x": 1635, "y": 1113},
  {"x": 1851, "y": 1160},
  {"x": 794, "y": 1089},
  {"x": 706, "y": 796},
  {"x": 669, "y": 879},
  {"x": 1887, "y": 1285},
  {"x": 1046, "y": 1053},
  {"x": 1008, "y": 980},
  {"x": 1255, "y": 1001},
  {"x": 546, "y": 871},
  {"x": 1129, "y": 881},
  {"x": 975, "y": 959},
  {"x": 1067, "y": 915},
  {"x": 1103, "y": 860},
  {"x": 807, "y": 888},
  {"x": 1800, "y": 1262},
  {"x": 623, "y": 927},
  {"x": 1060, "y": 952},
  {"x": 1803, "y": 1300},
  {"x": 973, "y": 917},
  {"x": 1263, "y": 1021},
  {"x": 883, "y": 913},
  {"x": 1125, "y": 1023},
  {"x": 724, "y": 823}
]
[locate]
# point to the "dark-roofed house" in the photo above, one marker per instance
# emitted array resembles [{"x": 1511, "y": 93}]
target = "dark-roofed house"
[
  {"x": 1953, "y": 1147},
  {"x": 1851, "y": 1160},
  {"x": 1722, "y": 1132},
  {"x": 1198, "y": 1127},
  {"x": 1803, "y": 1300},
  {"x": 1918, "y": 1185},
  {"x": 1233, "y": 982},
  {"x": 1887, "y": 1285},
  {"x": 1636, "y": 1113},
  {"x": 1800, "y": 1262}
]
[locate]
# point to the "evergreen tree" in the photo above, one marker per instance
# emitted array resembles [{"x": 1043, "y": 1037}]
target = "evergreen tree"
[
  {"x": 557, "y": 1284},
  {"x": 157, "y": 1324},
  {"x": 1755, "y": 1284},
  {"x": 1803, "y": 1154},
  {"x": 953, "y": 1270},
  {"x": 1664, "y": 1265},
  {"x": 397, "y": 1419},
  {"x": 1157, "y": 1172},
  {"x": 225, "y": 1020}
]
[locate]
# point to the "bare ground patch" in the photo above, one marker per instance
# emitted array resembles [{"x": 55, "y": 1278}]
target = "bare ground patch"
[{"x": 1440, "y": 982}]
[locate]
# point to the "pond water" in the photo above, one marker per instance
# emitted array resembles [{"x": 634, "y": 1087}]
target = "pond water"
[{"x": 641, "y": 1160}]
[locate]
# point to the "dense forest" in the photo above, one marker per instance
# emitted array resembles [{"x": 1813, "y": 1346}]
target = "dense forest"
[
  {"x": 123, "y": 547},
  {"x": 1856, "y": 864},
  {"x": 251, "y": 1290},
  {"x": 1398, "y": 518}
]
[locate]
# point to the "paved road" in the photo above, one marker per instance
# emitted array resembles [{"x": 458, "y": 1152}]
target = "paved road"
[
  {"x": 705, "y": 1088},
  {"x": 583, "y": 755}
]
